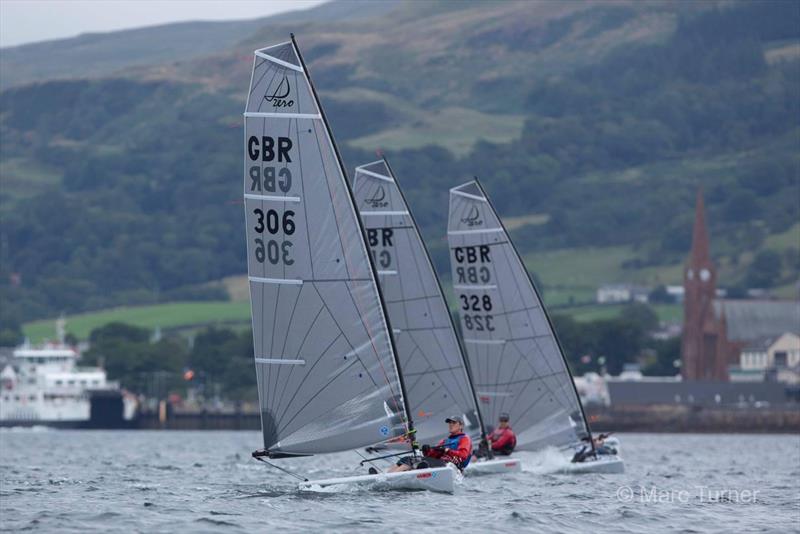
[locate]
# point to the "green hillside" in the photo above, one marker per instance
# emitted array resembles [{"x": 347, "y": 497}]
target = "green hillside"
[
  {"x": 591, "y": 124},
  {"x": 165, "y": 316}
]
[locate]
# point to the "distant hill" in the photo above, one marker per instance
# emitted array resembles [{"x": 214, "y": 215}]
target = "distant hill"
[
  {"x": 107, "y": 54},
  {"x": 591, "y": 123}
]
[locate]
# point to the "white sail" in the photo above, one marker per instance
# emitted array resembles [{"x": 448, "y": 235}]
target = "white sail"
[
  {"x": 327, "y": 377},
  {"x": 427, "y": 347},
  {"x": 516, "y": 361}
]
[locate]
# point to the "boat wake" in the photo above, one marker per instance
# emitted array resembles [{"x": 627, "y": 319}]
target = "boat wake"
[{"x": 546, "y": 461}]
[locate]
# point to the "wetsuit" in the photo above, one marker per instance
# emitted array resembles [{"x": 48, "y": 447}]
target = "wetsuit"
[{"x": 503, "y": 441}]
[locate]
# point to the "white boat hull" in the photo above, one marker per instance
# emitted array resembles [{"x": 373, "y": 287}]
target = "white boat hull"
[
  {"x": 611, "y": 464},
  {"x": 437, "y": 479},
  {"x": 493, "y": 467}
]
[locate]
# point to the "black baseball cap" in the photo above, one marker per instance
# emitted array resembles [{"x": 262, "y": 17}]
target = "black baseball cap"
[
  {"x": 504, "y": 417},
  {"x": 454, "y": 419}
]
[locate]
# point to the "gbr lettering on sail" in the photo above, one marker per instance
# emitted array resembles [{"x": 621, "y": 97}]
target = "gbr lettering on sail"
[{"x": 269, "y": 173}]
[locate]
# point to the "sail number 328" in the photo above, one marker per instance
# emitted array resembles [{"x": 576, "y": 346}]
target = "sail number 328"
[{"x": 273, "y": 250}]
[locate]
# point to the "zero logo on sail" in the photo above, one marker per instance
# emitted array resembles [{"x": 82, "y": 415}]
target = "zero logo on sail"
[
  {"x": 378, "y": 200},
  {"x": 474, "y": 218},
  {"x": 278, "y": 97}
]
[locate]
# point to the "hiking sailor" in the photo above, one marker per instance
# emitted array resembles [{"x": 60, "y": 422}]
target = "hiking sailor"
[
  {"x": 600, "y": 449},
  {"x": 502, "y": 438},
  {"x": 455, "y": 449}
]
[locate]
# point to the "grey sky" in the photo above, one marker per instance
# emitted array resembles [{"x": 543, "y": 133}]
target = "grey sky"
[{"x": 27, "y": 21}]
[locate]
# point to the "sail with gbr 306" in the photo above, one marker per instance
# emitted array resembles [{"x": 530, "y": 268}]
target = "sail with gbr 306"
[{"x": 327, "y": 373}]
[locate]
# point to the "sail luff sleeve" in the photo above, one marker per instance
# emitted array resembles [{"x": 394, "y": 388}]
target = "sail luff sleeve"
[
  {"x": 324, "y": 360},
  {"x": 514, "y": 356}
]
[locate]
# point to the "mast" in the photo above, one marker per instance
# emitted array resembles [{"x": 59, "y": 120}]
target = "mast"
[
  {"x": 373, "y": 269},
  {"x": 449, "y": 315},
  {"x": 544, "y": 312}
]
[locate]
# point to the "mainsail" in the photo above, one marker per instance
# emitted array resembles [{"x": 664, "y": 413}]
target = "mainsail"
[
  {"x": 437, "y": 382},
  {"x": 325, "y": 362},
  {"x": 515, "y": 359}
]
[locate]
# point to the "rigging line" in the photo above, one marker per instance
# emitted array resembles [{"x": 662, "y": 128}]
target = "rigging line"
[
  {"x": 363, "y": 460},
  {"x": 281, "y": 469}
]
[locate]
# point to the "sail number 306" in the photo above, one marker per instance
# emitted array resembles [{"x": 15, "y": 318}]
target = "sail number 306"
[{"x": 273, "y": 250}]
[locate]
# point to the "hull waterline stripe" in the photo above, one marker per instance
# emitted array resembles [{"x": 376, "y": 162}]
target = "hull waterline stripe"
[
  {"x": 375, "y": 175},
  {"x": 382, "y": 213},
  {"x": 268, "y": 115},
  {"x": 485, "y": 341},
  {"x": 276, "y": 198},
  {"x": 277, "y": 361},
  {"x": 278, "y": 61},
  {"x": 483, "y": 231},
  {"x": 275, "y": 280}
]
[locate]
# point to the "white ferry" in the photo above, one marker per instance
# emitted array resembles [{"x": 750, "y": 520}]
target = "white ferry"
[{"x": 44, "y": 386}]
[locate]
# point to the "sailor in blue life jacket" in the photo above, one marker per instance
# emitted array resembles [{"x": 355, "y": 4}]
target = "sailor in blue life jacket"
[{"x": 455, "y": 449}]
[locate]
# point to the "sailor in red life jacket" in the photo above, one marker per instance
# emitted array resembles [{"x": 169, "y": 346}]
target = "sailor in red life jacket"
[
  {"x": 455, "y": 449},
  {"x": 502, "y": 438}
]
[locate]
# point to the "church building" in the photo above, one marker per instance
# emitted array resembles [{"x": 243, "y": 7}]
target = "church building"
[{"x": 716, "y": 330}]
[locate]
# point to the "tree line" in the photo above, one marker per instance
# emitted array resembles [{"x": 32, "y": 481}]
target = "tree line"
[{"x": 220, "y": 360}]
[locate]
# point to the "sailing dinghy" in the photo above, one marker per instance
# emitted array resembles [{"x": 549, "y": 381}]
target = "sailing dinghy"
[
  {"x": 326, "y": 365},
  {"x": 516, "y": 361},
  {"x": 431, "y": 357}
]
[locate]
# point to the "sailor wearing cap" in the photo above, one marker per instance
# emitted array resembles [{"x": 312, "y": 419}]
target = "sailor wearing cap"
[
  {"x": 502, "y": 438},
  {"x": 455, "y": 449}
]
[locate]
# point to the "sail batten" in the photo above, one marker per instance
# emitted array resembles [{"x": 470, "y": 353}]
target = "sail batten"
[
  {"x": 517, "y": 364},
  {"x": 324, "y": 356}
]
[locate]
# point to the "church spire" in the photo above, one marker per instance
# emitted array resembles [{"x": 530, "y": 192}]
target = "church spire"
[{"x": 700, "y": 255}]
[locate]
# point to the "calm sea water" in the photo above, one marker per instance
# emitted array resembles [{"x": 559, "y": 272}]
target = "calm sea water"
[{"x": 128, "y": 481}]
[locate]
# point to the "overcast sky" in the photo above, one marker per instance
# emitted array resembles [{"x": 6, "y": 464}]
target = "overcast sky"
[{"x": 28, "y": 21}]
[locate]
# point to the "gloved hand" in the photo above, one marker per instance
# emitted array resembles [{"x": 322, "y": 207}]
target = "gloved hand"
[{"x": 426, "y": 448}]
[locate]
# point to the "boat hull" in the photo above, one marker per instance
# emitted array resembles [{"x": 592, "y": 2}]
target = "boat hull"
[
  {"x": 611, "y": 464},
  {"x": 437, "y": 479},
  {"x": 493, "y": 467}
]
